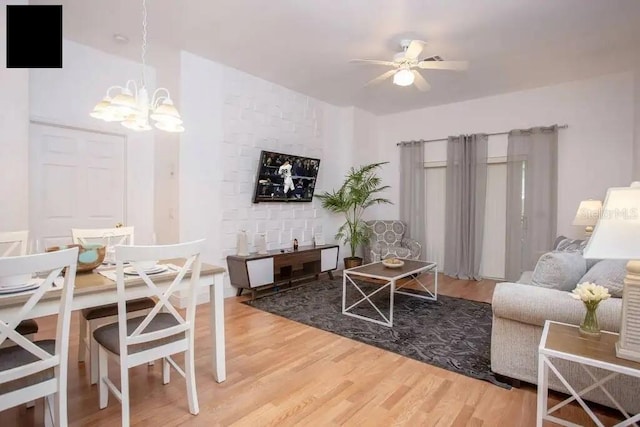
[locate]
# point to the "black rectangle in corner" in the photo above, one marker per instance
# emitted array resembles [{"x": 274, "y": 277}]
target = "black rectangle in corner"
[{"x": 34, "y": 36}]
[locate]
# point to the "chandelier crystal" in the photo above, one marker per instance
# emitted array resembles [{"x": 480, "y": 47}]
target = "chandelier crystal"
[{"x": 131, "y": 105}]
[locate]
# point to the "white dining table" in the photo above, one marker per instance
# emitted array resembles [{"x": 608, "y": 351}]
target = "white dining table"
[{"x": 93, "y": 289}]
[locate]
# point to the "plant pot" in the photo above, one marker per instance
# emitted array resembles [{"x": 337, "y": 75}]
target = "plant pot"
[{"x": 352, "y": 262}]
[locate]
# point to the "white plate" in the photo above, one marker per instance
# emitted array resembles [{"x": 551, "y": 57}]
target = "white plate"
[
  {"x": 31, "y": 285},
  {"x": 155, "y": 270}
]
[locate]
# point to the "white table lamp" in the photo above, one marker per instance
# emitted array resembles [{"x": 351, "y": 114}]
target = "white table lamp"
[
  {"x": 617, "y": 236},
  {"x": 588, "y": 214}
]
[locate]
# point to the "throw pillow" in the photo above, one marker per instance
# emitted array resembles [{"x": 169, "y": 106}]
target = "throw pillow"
[
  {"x": 559, "y": 270},
  {"x": 564, "y": 244},
  {"x": 608, "y": 273}
]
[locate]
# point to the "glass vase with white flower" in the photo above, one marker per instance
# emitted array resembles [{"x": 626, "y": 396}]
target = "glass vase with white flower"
[{"x": 591, "y": 295}]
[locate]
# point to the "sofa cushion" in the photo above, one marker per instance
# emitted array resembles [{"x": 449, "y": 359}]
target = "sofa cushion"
[
  {"x": 533, "y": 305},
  {"x": 608, "y": 273},
  {"x": 525, "y": 278},
  {"x": 559, "y": 270}
]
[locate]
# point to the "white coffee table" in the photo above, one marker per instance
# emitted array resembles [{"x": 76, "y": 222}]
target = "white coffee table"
[{"x": 390, "y": 276}]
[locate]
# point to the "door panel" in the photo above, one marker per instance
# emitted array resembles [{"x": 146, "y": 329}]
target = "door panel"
[{"x": 76, "y": 179}]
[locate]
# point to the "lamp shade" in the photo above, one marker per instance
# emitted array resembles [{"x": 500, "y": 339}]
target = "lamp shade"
[
  {"x": 588, "y": 212},
  {"x": 617, "y": 233}
]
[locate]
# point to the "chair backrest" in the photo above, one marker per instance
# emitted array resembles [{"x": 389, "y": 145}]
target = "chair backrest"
[
  {"x": 106, "y": 236},
  {"x": 190, "y": 251},
  {"x": 53, "y": 263},
  {"x": 14, "y": 243},
  {"x": 390, "y": 232}
]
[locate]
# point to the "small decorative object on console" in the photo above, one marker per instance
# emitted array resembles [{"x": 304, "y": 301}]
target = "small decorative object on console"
[
  {"x": 261, "y": 243},
  {"x": 591, "y": 295},
  {"x": 295, "y": 244},
  {"x": 392, "y": 262},
  {"x": 242, "y": 243}
]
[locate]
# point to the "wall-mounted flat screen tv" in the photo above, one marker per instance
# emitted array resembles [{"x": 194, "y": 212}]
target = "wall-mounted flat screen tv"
[{"x": 285, "y": 178}]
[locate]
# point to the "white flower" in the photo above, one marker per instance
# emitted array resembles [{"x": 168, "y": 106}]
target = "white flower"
[{"x": 590, "y": 292}]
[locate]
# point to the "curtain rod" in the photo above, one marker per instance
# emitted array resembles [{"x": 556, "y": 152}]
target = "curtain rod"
[{"x": 488, "y": 134}]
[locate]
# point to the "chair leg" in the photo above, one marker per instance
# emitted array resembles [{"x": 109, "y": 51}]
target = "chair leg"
[
  {"x": 60, "y": 408},
  {"x": 190, "y": 376},
  {"x": 103, "y": 373},
  {"x": 166, "y": 371},
  {"x": 82, "y": 340},
  {"x": 124, "y": 391},
  {"x": 48, "y": 411},
  {"x": 93, "y": 359}
]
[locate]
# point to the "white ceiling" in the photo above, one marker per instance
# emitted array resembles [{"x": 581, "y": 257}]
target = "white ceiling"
[{"x": 306, "y": 45}]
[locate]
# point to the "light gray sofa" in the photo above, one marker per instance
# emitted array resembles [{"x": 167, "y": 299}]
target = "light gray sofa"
[{"x": 519, "y": 313}]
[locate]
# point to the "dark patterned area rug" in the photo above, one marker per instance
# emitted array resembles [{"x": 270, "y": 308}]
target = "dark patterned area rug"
[{"x": 451, "y": 333}]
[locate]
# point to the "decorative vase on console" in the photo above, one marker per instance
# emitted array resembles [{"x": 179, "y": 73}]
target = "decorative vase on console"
[
  {"x": 591, "y": 295},
  {"x": 261, "y": 243},
  {"x": 242, "y": 243}
]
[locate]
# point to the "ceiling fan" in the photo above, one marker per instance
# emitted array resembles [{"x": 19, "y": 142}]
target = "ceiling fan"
[{"x": 405, "y": 62}]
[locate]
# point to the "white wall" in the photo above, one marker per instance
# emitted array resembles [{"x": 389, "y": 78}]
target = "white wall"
[
  {"x": 232, "y": 117},
  {"x": 167, "y": 155},
  {"x": 14, "y": 140},
  {"x": 594, "y": 152},
  {"x": 66, "y": 96},
  {"x": 200, "y": 162},
  {"x": 636, "y": 139}
]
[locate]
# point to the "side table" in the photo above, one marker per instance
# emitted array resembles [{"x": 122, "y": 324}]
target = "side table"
[{"x": 563, "y": 341}]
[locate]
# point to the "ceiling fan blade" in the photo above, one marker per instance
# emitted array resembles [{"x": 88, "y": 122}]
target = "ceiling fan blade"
[
  {"x": 444, "y": 65},
  {"x": 414, "y": 49},
  {"x": 374, "y": 61},
  {"x": 420, "y": 82},
  {"x": 381, "y": 77}
]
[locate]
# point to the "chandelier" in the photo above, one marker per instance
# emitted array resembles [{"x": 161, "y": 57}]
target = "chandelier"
[{"x": 131, "y": 105}]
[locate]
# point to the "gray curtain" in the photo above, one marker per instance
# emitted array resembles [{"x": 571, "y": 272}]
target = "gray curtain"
[
  {"x": 413, "y": 191},
  {"x": 466, "y": 195},
  {"x": 532, "y": 197}
]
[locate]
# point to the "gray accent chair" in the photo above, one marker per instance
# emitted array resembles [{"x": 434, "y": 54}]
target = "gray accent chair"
[{"x": 388, "y": 240}]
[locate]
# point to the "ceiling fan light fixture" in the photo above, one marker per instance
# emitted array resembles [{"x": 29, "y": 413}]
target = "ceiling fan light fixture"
[{"x": 403, "y": 77}]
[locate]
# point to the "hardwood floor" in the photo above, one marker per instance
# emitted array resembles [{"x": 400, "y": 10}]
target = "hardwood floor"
[{"x": 283, "y": 373}]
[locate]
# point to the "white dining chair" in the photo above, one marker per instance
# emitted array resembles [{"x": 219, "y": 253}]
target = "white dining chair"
[
  {"x": 15, "y": 243},
  {"x": 92, "y": 318},
  {"x": 158, "y": 335},
  {"x": 31, "y": 370}
]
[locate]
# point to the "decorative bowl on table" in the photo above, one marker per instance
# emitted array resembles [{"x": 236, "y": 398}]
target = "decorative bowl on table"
[
  {"x": 392, "y": 262},
  {"x": 90, "y": 256}
]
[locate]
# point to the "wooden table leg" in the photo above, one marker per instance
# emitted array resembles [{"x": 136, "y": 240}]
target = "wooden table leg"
[{"x": 216, "y": 297}]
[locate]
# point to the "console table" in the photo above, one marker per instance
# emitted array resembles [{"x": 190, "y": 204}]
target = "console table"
[{"x": 281, "y": 266}]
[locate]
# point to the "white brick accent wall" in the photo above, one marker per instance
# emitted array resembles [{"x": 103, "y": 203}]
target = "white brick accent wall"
[{"x": 259, "y": 115}]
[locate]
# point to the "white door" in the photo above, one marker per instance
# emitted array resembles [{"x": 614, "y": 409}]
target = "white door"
[{"x": 76, "y": 180}]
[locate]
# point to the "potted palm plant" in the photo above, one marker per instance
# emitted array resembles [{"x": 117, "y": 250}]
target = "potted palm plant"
[{"x": 360, "y": 190}]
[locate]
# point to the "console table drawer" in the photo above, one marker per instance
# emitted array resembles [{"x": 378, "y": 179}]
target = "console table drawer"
[{"x": 260, "y": 272}]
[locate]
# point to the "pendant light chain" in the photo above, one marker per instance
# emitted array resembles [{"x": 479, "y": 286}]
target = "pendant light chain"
[{"x": 144, "y": 43}]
